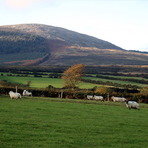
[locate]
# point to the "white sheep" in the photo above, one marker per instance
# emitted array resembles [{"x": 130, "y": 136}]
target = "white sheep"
[
  {"x": 118, "y": 99},
  {"x": 26, "y": 93},
  {"x": 99, "y": 98},
  {"x": 132, "y": 104},
  {"x": 14, "y": 95},
  {"x": 90, "y": 97}
]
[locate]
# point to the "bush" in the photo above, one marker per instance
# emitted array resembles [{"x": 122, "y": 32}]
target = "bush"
[{"x": 80, "y": 95}]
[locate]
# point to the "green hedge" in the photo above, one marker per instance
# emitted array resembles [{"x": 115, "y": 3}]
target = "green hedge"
[{"x": 77, "y": 94}]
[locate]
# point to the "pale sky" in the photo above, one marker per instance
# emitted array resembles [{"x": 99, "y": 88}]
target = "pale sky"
[{"x": 121, "y": 22}]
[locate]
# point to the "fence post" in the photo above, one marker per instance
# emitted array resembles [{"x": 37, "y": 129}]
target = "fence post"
[
  {"x": 108, "y": 97},
  {"x": 62, "y": 93},
  {"x": 16, "y": 88}
]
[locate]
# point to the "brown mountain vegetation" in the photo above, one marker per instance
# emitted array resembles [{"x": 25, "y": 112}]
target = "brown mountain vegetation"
[{"x": 36, "y": 44}]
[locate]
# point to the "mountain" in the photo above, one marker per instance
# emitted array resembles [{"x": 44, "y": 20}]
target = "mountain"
[{"x": 37, "y": 44}]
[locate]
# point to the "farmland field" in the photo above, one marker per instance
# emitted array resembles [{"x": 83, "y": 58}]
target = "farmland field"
[
  {"x": 62, "y": 123},
  {"x": 118, "y": 81},
  {"x": 35, "y": 81},
  {"x": 42, "y": 82},
  {"x": 45, "y": 81}
]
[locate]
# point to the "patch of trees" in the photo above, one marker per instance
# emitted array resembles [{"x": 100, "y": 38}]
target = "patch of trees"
[
  {"x": 54, "y": 75},
  {"x": 31, "y": 69},
  {"x": 15, "y": 42}
]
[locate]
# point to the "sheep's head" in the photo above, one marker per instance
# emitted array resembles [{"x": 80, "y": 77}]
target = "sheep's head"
[
  {"x": 126, "y": 101},
  {"x": 10, "y": 92}
]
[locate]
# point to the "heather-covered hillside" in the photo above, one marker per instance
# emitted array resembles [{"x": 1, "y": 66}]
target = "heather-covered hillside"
[{"x": 36, "y": 44}]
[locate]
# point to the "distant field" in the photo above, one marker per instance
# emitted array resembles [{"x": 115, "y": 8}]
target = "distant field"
[
  {"x": 45, "y": 81},
  {"x": 37, "y": 82},
  {"x": 62, "y": 123},
  {"x": 118, "y": 81}
]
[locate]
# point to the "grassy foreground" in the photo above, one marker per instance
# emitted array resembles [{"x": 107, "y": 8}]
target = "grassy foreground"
[{"x": 55, "y": 123}]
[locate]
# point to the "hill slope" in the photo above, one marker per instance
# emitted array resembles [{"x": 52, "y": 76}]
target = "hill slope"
[{"x": 36, "y": 44}]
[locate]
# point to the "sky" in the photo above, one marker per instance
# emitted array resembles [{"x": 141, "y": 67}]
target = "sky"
[{"x": 121, "y": 22}]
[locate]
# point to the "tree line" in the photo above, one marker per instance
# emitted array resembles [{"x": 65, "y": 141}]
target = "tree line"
[{"x": 142, "y": 81}]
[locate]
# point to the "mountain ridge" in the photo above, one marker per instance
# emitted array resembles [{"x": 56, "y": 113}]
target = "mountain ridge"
[
  {"x": 52, "y": 32},
  {"x": 59, "y": 46}
]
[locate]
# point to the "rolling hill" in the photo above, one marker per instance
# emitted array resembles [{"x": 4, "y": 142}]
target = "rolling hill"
[{"x": 37, "y": 44}]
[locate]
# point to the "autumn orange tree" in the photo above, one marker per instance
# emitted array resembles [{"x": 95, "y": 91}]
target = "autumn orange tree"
[
  {"x": 102, "y": 90},
  {"x": 73, "y": 75}
]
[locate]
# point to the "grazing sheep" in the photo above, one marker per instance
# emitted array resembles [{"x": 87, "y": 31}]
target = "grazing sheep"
[
  {"x": 14, "y": 95},
  {"x": 90, "y": 97},
  {"x": 26, "y": 93},
  {"x": 118, "y": 99},
  {"x": 132, "y": 104},
  {"x": 99, "y": 98}
]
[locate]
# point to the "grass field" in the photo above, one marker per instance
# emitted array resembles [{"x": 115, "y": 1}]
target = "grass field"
[
  {"x": 43, "y": 82},
  {"x": 118, "y": 81},
  {"x": 39, "y": 82},
  {"x": 55, "y": 123}
]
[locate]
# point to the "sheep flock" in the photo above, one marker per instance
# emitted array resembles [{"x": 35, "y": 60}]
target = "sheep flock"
[
  {"x": 16, "y": 95},
  {"x": 129, "y": 104}
]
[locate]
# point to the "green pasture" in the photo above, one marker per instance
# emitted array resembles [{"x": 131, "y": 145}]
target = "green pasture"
[
  {"x": 42, "y": 82},
  {"x": 63, "y": 123},
  {"x": 116, "y": 81}
]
